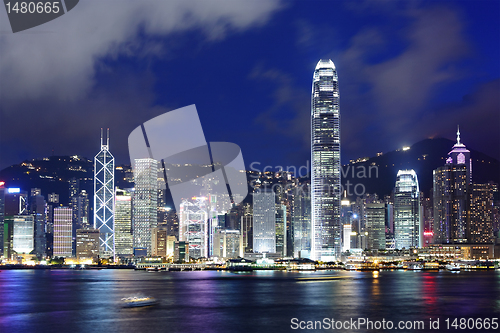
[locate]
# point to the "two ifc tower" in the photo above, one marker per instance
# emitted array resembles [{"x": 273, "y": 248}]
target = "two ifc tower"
[{"x": 325, "y": 172}]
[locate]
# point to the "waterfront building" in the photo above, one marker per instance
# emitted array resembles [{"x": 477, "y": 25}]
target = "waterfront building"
[
  {"x": 87, "y": 245},
  {"x": 228, "y": 244},
  {"x": 247, "y": 232},
  {"x": 170, "y": 246},
  {"x": 104, "y": 194},
  {"x": 193, "y": 226},
  {"x": 181, "y": 252},
  {"x": 264, "y": 221},
  {"x": 325, "y": 163},
  {"x": 123, "y": 223},
  {"x": 38, "y": 208},
  {"x": 375, "y": 226},
  {"x": 451, "y": 184},
  {"x": 2, "y": 215},
  {"x": 159, "y": 242},
  {"x": 407, "y": 228},
  {"x": 63, "y": 231},
  {"x": 280, "y": 230},
  {"x": 23, "y": 234},
  {"x": 301, "y": 220},
  {"x": 145, "y": 202},
  {"x": 481, "y": 213}
]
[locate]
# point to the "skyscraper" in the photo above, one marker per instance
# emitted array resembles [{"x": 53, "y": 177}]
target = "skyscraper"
[
  {"x": 193, "y": 226},
  {"x": 375, "y": 226},
  {"x": 451, "y": 184},
  {"x": 407, "y": 228},
  {"x": 325, "y": 163},
  {"x": 301, "y": 220},
  {"x": 123, "y": 223},
  {"x": 264, "y": 221},
  {"x": 145, "y": 202},
  {"x": 104, "y": 195},
  {"x": 63, "y": 227},
  {"x": 481, "y": 213}
]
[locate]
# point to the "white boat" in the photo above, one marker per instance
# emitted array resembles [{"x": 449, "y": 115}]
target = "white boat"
[
  {"x": 453, "y": 267},
  {"x": 415, "y": 267},
  {"x": 134, "y": 302}
]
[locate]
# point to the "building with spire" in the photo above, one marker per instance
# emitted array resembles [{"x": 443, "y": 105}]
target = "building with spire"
[
  {"x": 325, "y": 164},
  {"x": 451, "y": 184},
  {"x": 104, "y": 194}
]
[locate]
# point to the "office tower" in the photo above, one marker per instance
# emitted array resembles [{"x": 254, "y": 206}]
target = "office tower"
[
  {"x": 159, "y": 242},
  {"x": 2, "y": 214},
  {"x": 53, "y": 198},
  {"x": 228, "y": 244},
  {"x": 80, "y": 205},
  {"x": 38, "y": 208},
  {"x": 481, "y": 213},
  {"x": 280, "y": 230},
  {"x": 301, "y": 220},
  {"x": 181, "y": 252},
  {"x": 63, "y": 225},
  {"x": 264, "y": 221},
  {"x": 123, "y": 224},
  {"x": 346, "y": 244},
  {"x": 23, "y": 234},
  {"x": 104, "y": 194},
  {"x": 193, "y": 226},
  {"x": 170, "y": 246},
  {"x": 8, "y": 237},
  {"x": 74, "y": 187},
  {"x": 325, "y": 163},
  {"x": 451, "y": 184},
  {"x": 247, "y": 232},
  {"x": 145, "y": 202},
  {"x": 407, "y": 227},
  {"x": 375, "y": 226},
  {"x": 87, "y": 245}
]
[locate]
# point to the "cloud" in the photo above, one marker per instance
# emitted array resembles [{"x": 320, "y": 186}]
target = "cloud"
[{"x": 59, "y": 58}]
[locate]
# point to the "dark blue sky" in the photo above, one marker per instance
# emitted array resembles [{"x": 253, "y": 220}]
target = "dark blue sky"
[{"x": 407, "y": 71}]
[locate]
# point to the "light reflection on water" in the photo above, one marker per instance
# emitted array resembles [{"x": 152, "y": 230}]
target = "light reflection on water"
[{"x": 208, "y": 301}]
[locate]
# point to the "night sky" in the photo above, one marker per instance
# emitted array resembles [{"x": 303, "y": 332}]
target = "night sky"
[{"x": 407, "y": 71}]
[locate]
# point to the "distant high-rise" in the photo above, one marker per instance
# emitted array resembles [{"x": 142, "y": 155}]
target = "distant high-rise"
[
  {"x": 23, "y": 236},
  {"x": 301, "y": 221},
  {"x": 451, "y": 184},
  {"x": 104, "y": 195},
  {"x": 123, "y": 224},
  {"x": 264, "y": 221},
  {"x": 325, "y": 163},
  {"x": 145, "y": 202},
  {"x": 63, "y": 230},
  {"x": 407, "y": 226},
  {"x": 481, "y": 213},
  {"x": 375, "y": 226}
]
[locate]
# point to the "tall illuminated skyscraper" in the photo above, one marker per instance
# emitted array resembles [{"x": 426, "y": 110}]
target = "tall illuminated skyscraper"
[
  {"x": 407, "y": 226},
  {"x": 145, "y": 202},
  {"x": 123, "y": 223},
  {"x": 104, "y": 195},
  {"x": 325, "y": 163}
]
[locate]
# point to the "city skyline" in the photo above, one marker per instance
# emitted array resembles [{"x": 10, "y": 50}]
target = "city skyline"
[{"x": 406, "y": 76}]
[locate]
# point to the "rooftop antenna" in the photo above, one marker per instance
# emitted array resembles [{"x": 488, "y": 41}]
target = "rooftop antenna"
[
  {"x": 107, "y": 138},
  {"x": 101, "y": 136},
  {"x": 458, "y": 134}
]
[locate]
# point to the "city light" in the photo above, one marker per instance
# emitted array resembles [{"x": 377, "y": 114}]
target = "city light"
[{"x": 13, "y": 190}]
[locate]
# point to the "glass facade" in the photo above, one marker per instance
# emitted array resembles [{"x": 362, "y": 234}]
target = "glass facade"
[
  {"x": 104, "y": 195},
  {"x": 123, "y": 223},
  {"x": 145, "y": 202},
  {"x": 264, "y": 221},
  {"x": 407, "y": 210},
  {"x": 63, "y": 232},
  {"x": 325, "y": 163}
]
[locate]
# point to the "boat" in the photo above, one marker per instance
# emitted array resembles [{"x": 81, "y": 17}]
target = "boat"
[
  {"x": 414, "y": 267},
  {"x": 453, "y": 267},
  {"x": 153, "y": 269},
  {"x": 135, "y": 302}
]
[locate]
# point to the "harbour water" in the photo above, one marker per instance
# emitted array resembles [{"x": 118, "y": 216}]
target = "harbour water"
[{"x": 260, "y": 301}]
